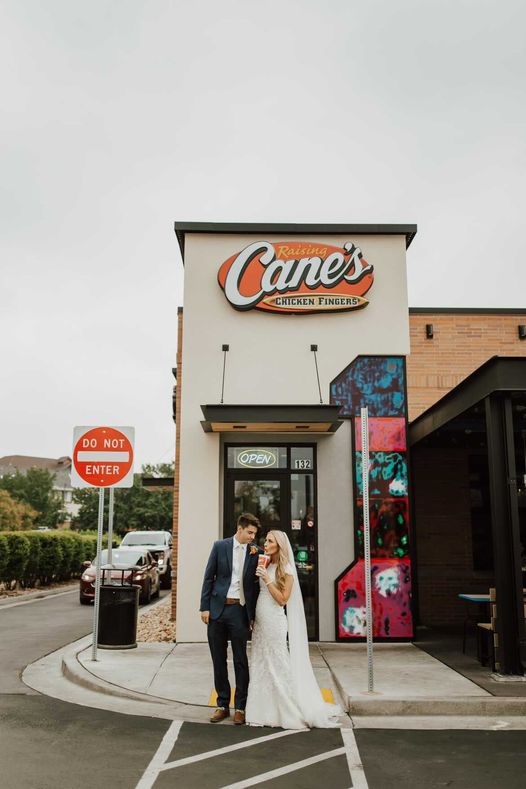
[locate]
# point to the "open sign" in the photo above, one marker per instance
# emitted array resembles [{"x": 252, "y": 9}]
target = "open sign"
[{"x": 257, "y": 458}]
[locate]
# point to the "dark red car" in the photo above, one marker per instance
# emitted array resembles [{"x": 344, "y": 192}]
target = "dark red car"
[{"x": 139, "y": 566}]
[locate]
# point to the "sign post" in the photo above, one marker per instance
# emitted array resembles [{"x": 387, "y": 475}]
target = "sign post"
[
  {"x": 96, "y": 604},
  {"x": 102, "y": 458},
  {"x": 110, "y": 525},
  {"x": 367, "y": 547}
]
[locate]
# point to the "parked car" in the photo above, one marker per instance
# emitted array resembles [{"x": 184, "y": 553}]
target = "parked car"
[
  {"x": 139, "y": 567},
  {"x": 159, "y": 543}
]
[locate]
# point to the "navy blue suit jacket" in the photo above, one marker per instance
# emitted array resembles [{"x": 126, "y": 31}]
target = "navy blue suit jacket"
[{"x": 218, "y": 576}]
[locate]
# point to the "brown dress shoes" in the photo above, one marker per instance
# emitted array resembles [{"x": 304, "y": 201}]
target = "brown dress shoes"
[
  {"x": 239, "y": 717},
  {"x": 220, "y": 714}
]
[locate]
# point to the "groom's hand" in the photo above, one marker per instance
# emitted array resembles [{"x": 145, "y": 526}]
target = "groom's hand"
[{"x": 205, "y": 616}]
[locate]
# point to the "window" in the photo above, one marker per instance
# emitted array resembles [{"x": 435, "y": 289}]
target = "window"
[
  {"x": 257, "y": 458},
  {"x": 302, "y": 458}
]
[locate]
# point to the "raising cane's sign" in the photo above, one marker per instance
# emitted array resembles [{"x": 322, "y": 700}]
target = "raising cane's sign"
[{"x": 296, "y": 277}]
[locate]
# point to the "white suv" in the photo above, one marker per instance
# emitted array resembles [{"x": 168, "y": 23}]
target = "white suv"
[{"x": 159, "y": 543}]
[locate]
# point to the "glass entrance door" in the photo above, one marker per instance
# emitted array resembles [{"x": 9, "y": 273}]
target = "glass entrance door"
[
  {"x": 262, "y": 498},
  {"x": 282, "y": 498},
  {"x": 302, "y": 536}
]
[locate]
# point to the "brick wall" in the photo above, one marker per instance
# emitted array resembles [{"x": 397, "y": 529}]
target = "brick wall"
[
  {"x": 441, "y": 501},
  {"x": 461, "y": 343}
]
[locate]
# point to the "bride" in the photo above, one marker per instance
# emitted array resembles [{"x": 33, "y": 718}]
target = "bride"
[{"x": 283, "y": 690}]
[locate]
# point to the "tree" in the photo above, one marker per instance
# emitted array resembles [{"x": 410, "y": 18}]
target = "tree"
[
  {"x": 158, "y": 470},
  {"x": 35, "y": 488},
  {"x": 135, "y": 507},
  {"x": 15, "y": 515}
]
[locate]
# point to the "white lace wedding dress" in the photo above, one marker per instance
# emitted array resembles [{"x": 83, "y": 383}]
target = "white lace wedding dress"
[{"x": 283, "y": 690}]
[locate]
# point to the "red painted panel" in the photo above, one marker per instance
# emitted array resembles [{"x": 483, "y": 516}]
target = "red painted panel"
[
  {"x": 391, "y": 596},
  {"x": 384, "y": 433}
]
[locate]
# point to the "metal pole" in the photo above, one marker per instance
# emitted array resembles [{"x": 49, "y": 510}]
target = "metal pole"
[
  {"x": 97, "y": 575},
  {"x": 225, "y": 349},
  {"x": 110, "y": 528},
  {"x": 367, "y": 548}
]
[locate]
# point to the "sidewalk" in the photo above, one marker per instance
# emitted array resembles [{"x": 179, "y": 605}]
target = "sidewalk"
[
  {"x": 175, "y": 681},
  {"x": 408, "y": 681}
]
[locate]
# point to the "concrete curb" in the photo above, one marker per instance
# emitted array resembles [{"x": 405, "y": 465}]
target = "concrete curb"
[
  {"x": 41, "y": 595},
  {"x": 21, "y": 598},
  {"x": 344, "y": 698},
  {"x": 75, "y": 671},
  {"x": 57, "y": 675},
  {"x": 486, "y": 706},
  {"x": 364, "y": 705}
]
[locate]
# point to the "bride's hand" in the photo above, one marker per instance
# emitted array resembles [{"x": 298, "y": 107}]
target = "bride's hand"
[{"x": 262, "y": 573}]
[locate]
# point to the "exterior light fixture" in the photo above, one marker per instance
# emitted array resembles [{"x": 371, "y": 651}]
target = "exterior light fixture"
[
  {"x": 522, "y": 331},
  {"x": 314, "y": 350},
  {"x": 429, "y": 331},
  {"x": 225, "y": 349}
]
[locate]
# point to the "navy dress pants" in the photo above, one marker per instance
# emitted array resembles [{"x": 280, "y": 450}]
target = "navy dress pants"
[{"x": 231, "y": 626}]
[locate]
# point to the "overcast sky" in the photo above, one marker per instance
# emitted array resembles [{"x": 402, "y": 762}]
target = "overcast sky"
[{"x": 119, "y": 117}]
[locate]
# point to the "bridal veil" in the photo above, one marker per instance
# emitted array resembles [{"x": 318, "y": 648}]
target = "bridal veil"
[{"x": 316, "y": 712}]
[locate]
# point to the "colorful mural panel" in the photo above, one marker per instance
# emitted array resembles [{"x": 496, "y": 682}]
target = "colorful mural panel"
[
  {"x": 379, "y": 384},
  {"x": 383, "y": 434},
  {"x": 391, "y": 593},
  {"x": 388, "y": 520},
  {"x": 387, "y": 474}
]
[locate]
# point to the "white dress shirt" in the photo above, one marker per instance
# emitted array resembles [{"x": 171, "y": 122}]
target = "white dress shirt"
[{"x": 235, "y": 590}]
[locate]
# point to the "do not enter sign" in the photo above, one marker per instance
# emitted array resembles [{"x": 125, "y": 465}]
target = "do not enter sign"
[{"x": 102, "y": 457}]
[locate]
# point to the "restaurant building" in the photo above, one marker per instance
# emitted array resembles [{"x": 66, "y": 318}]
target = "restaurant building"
[{"x": 286, "y": 332}]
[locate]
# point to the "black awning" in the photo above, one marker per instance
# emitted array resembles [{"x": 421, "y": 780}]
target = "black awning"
[
  {"x": 157, "y": 482},
  {"x": 498, "y": 374},
  {"x": 227, "y": 418}
]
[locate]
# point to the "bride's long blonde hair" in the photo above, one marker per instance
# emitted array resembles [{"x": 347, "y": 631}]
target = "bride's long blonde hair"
[{"x": 283, "y": 557}]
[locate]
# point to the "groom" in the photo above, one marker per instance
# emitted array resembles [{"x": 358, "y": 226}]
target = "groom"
[{"x": 228, "y": 605}]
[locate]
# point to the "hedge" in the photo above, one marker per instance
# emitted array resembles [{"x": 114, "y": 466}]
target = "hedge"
[
  {"x": 33, "y": 557},
  {"x": 4, "y": 550}
]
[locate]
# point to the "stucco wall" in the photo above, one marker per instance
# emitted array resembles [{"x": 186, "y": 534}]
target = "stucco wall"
[{"x": 270, "y": 362}]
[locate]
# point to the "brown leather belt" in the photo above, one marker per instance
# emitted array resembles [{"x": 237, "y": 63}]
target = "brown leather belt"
[{"x": 232, "y": 601}]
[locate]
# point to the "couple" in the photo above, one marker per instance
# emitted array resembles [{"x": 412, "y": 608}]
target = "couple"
[{"x": 239, "y": 596}]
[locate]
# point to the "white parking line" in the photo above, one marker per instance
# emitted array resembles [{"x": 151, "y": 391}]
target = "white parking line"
[
  {"x": 159, "y": 764},
  {"x": 354, "y": 762},
  {"x": 160, "y": 756},
  {"x": 290, "y": 768},
  {"x": 227, "y": 749}
]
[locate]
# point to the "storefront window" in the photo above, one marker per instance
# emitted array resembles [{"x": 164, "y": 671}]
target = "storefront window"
[
  {"x": 301, "y": 458},
  {"x": 262, "y": 498},
  {"x": 303, "y": 540},
  {"x": 257, "y": 458}
]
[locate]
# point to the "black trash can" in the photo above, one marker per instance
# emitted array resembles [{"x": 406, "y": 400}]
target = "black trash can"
[{"x": 118, "y": 610}]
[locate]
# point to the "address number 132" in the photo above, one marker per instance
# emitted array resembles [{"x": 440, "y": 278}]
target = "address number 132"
[{"x": 302, "y": 463}]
